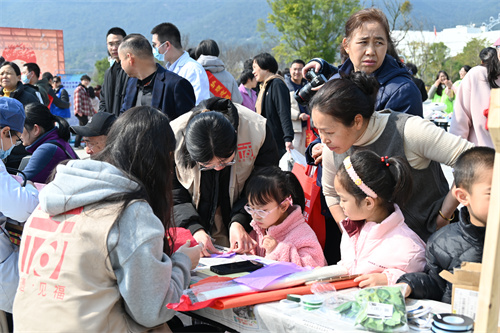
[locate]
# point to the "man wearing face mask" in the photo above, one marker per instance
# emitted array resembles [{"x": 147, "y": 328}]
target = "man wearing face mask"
[
  {"x": 115, "y": 78},
  {"x": 167, "y": 48},
  {"x": 16, "y": 204},
  {"x": 29, "y": 77},
  {"x": 83, "y": 105}
]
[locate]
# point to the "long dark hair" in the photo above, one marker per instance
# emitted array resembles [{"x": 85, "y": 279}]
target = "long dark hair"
[
  {"x": 40, "y": 115},
  {"x": 439, "y": 89},
  {"x": 140, "y": 143},
  {"x": 346, "y": 97},
  {"x": 392, "y": 184},
  {"x": 272, "y": 183},
  {"x": 489, "y": 59},
  {"x": 210, "y": 132}
]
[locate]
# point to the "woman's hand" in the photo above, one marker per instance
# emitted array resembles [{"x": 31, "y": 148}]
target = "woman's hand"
[
  {"x": 203, "y": 238},
  {"x": 269, "y": 243},
  {"x": 240, "y": 240},
  {"x": 437, "y": 83},
  {"x": 371, "y": 280},
  {"x": 313, "y": 64},
  {"x": 193, "y": 253},
  {"x": 317, "y": 153},
  {"x": 289, "y": 146},
  {"x": 304, "y": 116}
]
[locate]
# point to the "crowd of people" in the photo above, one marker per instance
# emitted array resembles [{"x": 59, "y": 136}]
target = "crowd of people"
[{"x": 176, "y": 141}]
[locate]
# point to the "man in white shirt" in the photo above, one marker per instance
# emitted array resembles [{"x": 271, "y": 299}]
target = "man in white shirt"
[{"x": 167, "y": 48}]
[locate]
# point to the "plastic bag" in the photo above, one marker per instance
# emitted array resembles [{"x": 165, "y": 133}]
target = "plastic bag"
[
  {"x": 380, "y": 309},
  {"x": 290, "y": 158}
]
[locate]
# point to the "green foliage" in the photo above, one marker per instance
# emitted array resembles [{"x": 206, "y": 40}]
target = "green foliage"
[
  {"x": 468, "y": 56},
  {"x": 307, "y": 28},
  {"x": 429, "y": 58},
  {"x": 100, "y": 66}
]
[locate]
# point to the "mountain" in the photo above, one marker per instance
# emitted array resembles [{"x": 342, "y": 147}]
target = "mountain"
[{"x": 230, "y": 22}]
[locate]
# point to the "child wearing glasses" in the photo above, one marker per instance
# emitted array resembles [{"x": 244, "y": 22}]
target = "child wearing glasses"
[
  {"x": 376, "y": 242},
  {"x": 275, "y": 202}
]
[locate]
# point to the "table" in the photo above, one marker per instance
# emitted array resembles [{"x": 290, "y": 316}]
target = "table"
[{"x": 273, "y": 317}]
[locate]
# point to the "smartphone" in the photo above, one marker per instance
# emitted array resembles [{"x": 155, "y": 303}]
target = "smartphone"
[{"x": 236, "y": 267}]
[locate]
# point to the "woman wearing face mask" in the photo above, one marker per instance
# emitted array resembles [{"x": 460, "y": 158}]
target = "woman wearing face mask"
[
  {"x": 442, "y": 91},
  {"x": 46, "y": 138},
  {"x": 16, "y": 204}
]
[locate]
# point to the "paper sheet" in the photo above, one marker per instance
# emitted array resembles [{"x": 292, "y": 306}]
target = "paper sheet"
[{"x": 262, "y": 277}]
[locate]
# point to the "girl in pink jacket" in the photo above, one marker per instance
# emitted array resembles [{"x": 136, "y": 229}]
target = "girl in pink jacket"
[
  {"x": 281, "y": 232},
  {"x": 376, "y": 242}
]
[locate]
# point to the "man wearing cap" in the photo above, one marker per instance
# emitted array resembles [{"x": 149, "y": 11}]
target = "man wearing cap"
[
  {"x": 16, "y": 204},
  {"x": 95, "y": 132}
]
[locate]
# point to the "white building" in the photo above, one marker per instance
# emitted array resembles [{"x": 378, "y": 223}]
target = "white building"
[{"x": 454, "y": 38}]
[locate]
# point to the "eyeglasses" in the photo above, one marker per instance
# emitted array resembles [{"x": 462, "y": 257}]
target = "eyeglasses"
[
  {"x": 18, "y": 141},
  {"x": 264, "y": 213},
  {"x": 221, "y": 165},
  {"x": 89, "y": 144},
  {"x": 158, "y": 47}
]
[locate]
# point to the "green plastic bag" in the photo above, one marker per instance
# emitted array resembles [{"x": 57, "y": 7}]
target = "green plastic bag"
[{"x": 380, "y": 309}]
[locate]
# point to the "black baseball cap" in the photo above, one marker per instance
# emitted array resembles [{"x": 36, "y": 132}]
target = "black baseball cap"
[{"x": 99, "y": 124}]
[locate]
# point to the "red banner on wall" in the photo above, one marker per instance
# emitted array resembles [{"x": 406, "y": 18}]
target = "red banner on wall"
[{"x": 41, "y": 46}]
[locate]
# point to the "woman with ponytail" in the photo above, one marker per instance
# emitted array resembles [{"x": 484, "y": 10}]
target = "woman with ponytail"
[
  {"x": 473, "y": 100},
  {"x": 46, "y": 137},
  {"x": 343, "y": 112},
  {"x": 371, "y": 190}
]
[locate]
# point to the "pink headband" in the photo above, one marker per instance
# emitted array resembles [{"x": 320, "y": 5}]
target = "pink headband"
[{"x": 355, "y": 178}]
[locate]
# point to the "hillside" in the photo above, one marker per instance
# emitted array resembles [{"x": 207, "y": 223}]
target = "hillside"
[{"x": 227, "y": 21}]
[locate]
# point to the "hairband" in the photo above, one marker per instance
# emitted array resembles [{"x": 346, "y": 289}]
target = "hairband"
[
  {"x": 385, "y": 160},
  {"x": 355, "y": 178}
]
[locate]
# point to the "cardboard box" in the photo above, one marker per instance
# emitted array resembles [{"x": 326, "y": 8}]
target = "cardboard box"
[{"x": 465, "y": 292}]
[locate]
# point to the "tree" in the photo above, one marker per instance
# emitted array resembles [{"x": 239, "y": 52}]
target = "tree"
[
  {"x": 307, "y": 28},
  {"x": 468, "y": 56},
  {"x": 429, "y": 58},
  {"x": 399, "y": 17},
  {"x": 100, "y": 68}
]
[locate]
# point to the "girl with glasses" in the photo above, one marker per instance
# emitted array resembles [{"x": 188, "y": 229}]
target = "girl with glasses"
[{"x": 275, "y": 202}]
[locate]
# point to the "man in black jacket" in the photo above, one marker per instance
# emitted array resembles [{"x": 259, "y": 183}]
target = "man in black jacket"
[
  {"x": 115, "y": 78},
  {"x": 151, "y": 84}
]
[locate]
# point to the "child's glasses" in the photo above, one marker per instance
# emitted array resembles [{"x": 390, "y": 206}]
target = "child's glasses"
[{"x": 264, "y": 213}]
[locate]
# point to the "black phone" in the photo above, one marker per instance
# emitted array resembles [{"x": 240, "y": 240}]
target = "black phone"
[{"x": 236, "y": 267}]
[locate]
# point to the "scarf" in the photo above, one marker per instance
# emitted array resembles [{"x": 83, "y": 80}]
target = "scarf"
[{"x": 262, "y": 91}]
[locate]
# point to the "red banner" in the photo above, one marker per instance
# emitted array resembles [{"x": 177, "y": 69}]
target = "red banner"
[
  {"x": 41, "y": 46},
  {"x": 217, "y": 88}
]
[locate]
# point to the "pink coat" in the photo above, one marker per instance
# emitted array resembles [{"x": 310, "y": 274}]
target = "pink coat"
[
  {"x": 473, "y": 97},
  {"x": 297, "y": 242},
  {"x": 389, "y": 247}
]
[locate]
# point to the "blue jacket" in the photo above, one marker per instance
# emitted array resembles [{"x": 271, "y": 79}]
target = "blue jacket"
[
  {"x": 46, "y": 156},
  {"x": 397, "y": 90},
  {"x": 172, "y": 94}
]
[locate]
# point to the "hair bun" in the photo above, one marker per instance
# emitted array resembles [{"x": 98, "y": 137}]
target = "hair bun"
[{"x": 367, "y": 83}]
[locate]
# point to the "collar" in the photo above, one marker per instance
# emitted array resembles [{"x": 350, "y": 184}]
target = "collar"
[
  {"x": 181, "y": 61},
  {"x": 352, "y": 227},
  {"x": 375, "y": 128},
  {"x": 147, "y": 81},
  {"x": 472, "y": 233}
]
